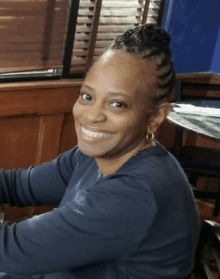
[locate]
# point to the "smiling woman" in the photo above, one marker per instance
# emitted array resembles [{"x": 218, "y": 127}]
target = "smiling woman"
[
  {"x": 112, "y": 104},
  {"x": 126, "y": 208},
  {"x": 119, "y": 92}
]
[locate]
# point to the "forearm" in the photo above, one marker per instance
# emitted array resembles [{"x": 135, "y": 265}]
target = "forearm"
[{"x": 40, "y": 185}]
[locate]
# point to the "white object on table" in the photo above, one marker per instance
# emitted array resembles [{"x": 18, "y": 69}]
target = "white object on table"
[{"x": 191, "y": 109}]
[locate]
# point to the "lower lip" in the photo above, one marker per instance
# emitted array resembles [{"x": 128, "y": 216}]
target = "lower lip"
[{"x": 93, "y": 139}]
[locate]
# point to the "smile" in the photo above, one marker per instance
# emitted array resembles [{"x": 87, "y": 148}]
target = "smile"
[{"x": 94, "y": 135}]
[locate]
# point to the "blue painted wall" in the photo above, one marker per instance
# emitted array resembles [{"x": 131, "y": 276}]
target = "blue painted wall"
[
  {"x": 215, "y": 67},
  {"x": 195, "y": 29}
]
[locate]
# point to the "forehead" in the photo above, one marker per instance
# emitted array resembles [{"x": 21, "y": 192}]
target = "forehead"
[{"x": 122, "y": 71}]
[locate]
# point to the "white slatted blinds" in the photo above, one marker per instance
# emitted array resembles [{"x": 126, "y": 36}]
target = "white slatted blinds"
[
  {"x": 99, "y": 22},
  {"x": 32, "y": 34}
]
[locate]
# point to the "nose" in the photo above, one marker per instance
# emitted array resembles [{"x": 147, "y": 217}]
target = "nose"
[{"x": 95, "y": 113}]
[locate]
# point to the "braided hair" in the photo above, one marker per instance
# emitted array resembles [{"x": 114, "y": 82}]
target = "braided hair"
[{"x": 151, "y": 42}]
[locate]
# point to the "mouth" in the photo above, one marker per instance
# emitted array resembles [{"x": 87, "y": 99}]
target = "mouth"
[{"x": 92, "y": 135}]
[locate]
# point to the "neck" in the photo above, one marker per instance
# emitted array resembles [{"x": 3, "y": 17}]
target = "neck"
[{"x": 109, "y": 166}]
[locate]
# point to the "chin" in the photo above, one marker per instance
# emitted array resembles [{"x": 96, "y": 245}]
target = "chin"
[{"x": 92, "y": 151}]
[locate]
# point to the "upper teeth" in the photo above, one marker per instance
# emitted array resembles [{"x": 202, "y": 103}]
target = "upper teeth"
[{"x": 94, "y": 134}]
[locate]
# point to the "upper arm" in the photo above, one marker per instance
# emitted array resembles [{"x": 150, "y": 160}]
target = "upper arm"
[{"x": 104, "y": 223}]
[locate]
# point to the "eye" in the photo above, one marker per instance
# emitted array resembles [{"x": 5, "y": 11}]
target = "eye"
[
  {"x": 84, "y": 96},
  {"x": 118, "y": 104}
]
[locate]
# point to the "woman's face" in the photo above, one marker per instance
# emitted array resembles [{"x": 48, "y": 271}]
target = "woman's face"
[{"x": 111, "y": 112}]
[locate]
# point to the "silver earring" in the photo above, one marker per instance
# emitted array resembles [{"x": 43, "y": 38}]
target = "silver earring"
[{"x": 151, "y": 137}]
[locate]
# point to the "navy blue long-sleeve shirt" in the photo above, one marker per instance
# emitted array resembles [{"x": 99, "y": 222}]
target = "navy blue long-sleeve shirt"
[{"x": 140, "y": 222}]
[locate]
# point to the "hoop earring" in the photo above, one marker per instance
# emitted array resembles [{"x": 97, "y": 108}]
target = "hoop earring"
[{"x": 151, "y": 138}]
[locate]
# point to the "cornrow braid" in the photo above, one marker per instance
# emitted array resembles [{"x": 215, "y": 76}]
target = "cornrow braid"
[{"x": 151, "y": 42}]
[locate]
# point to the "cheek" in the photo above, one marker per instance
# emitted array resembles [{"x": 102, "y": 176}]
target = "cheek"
[
  {"x": 77, "y": 110},
  {"x": 129, "y": 125}
]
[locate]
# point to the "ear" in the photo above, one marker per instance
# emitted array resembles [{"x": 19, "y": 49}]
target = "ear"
[{"x": 158, "y": 118}]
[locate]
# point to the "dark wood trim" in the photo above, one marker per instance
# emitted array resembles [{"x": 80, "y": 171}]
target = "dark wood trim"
[
  {"x": 70, "y": 38},
  {"x": 31, "y": 85},
  {"x": 146, "y": 7},
  {"x": 50, "y": 130},
  {"x": 94, "y": 34},
  {"x": 209, "y": 77},
  {"x": 37, "y": 102},
  {"x": 48, "y": 28},
  {"x": 161, "y": 12}
]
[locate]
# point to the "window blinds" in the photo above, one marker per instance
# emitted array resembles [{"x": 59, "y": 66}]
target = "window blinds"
[
  {"x": 32, "y": 34},
  {"x": 100, "y": 21},
  {"x": 34, "y": 31}
]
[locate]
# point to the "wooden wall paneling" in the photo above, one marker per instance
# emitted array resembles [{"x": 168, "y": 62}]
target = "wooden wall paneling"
[
  {"x": 37, "y": 139},
  {"x": 23, "y": 123},
  {"x": 189, "y": 138},
  {"x": 37, "y": 102},
  {"x": 36, "y": 125},
  {"x": 211, "y": 77},
  {"x": 203, "y": 93},
  {"x": 50, "y": 128},
  {"x": 194, "y": 139},
  {"x": 186, "y": 135},
  {"x": 217, "y": 146},
  {"x": 166, "y": 134},
  {"x": 206, "y": 142},
  {"x": 200, "y": 78},
  {"x": 18, "y": 141},
  {"x": 13, "y": 213},
  {"x": 68, "y": 135}
]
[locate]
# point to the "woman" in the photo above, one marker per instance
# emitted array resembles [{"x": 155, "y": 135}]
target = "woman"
[{"x": 126, "y": 209}]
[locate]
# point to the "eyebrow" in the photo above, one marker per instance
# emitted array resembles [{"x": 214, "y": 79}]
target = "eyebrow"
[{"x": 110, "y": 93}]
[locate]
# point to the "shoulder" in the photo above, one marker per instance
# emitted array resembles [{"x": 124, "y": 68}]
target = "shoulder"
[{"x": 157, "y": 165}]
